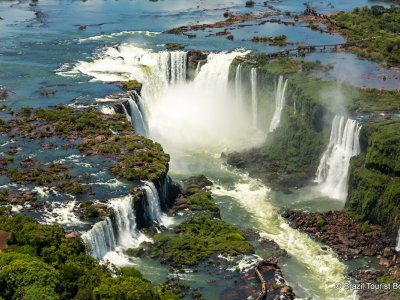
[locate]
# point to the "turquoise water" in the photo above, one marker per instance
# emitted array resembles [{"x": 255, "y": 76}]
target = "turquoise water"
[
  {"x": 32, "y": 48},
  {"x": 36, "y": 55}
]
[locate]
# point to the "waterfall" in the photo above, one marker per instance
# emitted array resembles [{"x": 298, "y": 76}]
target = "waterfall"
[
  {"x": 153, "y": 211},
  {"x": 198, "y": 68},
  {"x": 128, "y": 117},
  {"x": 173, "y": 65},
  {"x": 215, "y": 73},
  {"x": 254, "y": 98},
  {"x": 239, "y": 87},
  {"x": 125, "y": 221},
  {"x": 137, "y": 118},
  {"x": 280, "y": 101},
  {"x": 143, "y": 110},
  {"x": 120, "y": 229},
  {"x": 101, "y": 238},
  {"x": 398, "y": 242},
  {"x": 178, "y": 66},
  {"x": 164, "y": 65},
  {"x": 333, "y": 168}
]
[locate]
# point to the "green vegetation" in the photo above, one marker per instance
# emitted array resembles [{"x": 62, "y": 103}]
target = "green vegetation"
[
  {"x": 136, "y": 158},
  {"x": 320, "y": 222},
  {"x": 202, "y": 201},
  {"x": 365, "y": 227},
  {"x": 374, "y": 180},
  {"x": 201, "y": 235},
  {"x": 374, "y": 100},
  {"x": 131, "y": 85},
  {"x": 198, "y": 238},
  {"x": 381, "y": 26},
  {"x": 52, "y": 175},
  {"x": 279, "y": 40},
  {"x": 67, "y": 121},
  {"x": 131, "y": 157},
  {"x": 174, "y": 46},
  {"x": 89, "y": 210},
  {"x": 41, "y": 262},
  {"x": 290, "y": 156}
]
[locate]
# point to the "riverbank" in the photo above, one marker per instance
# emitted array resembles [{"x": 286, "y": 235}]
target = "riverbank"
[{"x": 351, "y": 239}]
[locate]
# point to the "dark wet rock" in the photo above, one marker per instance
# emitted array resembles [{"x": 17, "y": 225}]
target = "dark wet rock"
[
  {"x": 12, "y": 151},
  {"x": 48, "y": 145},
  {"x": 265, "y": 281},
  {"x": 47, "y": 92},
  {"x": 223, "y": 33},
  {"x": 201, "y": 182},
  {"x": 194, "y": 56},
  {"x": 174, "y": 46},
  {"x": 346, "y": 236},
  {"x": 26, "y": 199},
  {"x": 233, "y": 19},
  {"x": 251, "y": 234},
  {"x": 377, "y": 278},
  {"x": 249, "y": 3},
  {"x": 3, "y": 93}
]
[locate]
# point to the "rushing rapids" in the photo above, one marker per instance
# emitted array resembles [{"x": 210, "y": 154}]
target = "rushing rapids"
[
  {"x": 192, "y": 122},
  {"x": 333, "y": 168}
]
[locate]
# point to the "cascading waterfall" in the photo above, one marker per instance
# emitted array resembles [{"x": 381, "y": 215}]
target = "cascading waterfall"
[
  {"x": 254, "y": 97},
  {"x": 280, "y": 101},
  {"x": 239, "y": 87},
  {"x": 143, "y": 109},
  {"x": 128, "y": 116},
  {"x": 165, "y": 183},
  {"x": 164, "y": 65},
  {"x": 125, "y": 221},
  {"x": 178, "y": 66},
  {"x": 333, "y": 168},
  {"x": 137, "y": 118},
  {"x": 398, "y": 241},
  {"x": 120, "y": 229},
  {"x": 173, "y": 65},
  {"x": 210, "y": 128},
  {"x": 153, "y": 212},
  {"x": 101, "y": 238},
  {"x": 197, "y": 69}
]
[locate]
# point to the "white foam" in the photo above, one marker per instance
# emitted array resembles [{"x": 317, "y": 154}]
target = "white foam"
[
  {"x": 112, "y": 183},
  {"x": 62, "y": 214},
  {"x": 107, "y": 110},
  {"x": 242, "y": 262},
  {"x": 105, "y": 37},
  {"x": 253, "y": 196}
]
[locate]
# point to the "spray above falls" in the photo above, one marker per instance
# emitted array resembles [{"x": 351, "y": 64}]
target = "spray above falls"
[
  {"x": 198, "y": 112},
  {"x": 333, "y": 168}
]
